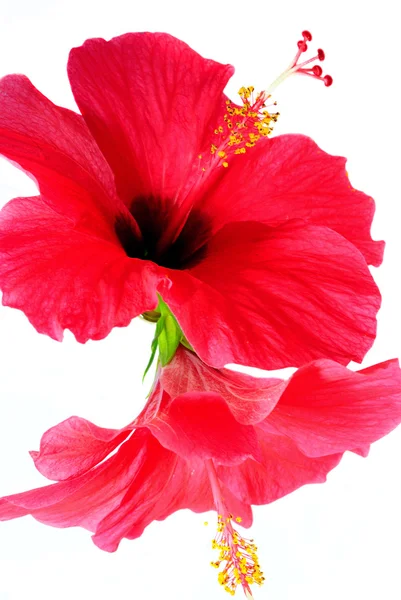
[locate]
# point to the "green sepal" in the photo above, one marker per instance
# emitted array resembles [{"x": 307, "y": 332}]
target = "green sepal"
[
  {"x": 170, "y": 334},
  {"x": 159, "y": 327},
  {"x": 185, "y": 343}
]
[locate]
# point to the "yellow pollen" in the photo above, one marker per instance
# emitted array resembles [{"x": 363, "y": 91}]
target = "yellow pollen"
[
  {"x": 238, "y": 555},
  {"x": 206, "y": 523},
  {"x": 252, "y": 121}
]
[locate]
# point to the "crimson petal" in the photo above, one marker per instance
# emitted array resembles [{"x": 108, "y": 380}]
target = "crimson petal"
[
  {"x": 64, "y": 277},
  {"x": 250, "y": 399},
  {"x": 282, "y": 470},
  {"x": 200, "y": 425},
  {"x": 54, "y": 145},
  {"x": 74, "y": 446},
  {"x": 84, "y": 500},
  {"x": 164, "y": 484},
  {"x": 149, "y": 100},
  {"x": 289, "y": 177},
  {"x": 276, "y": 297},
  {"x": 140, "y": 483},
  {"x": 327, "y": 408}
]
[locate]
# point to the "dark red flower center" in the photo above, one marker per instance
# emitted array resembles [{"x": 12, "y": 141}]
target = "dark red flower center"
[{"x": 186, "y": 249}]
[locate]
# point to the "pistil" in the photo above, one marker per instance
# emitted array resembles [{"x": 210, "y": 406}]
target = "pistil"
[{"x": 315, "y": 71}]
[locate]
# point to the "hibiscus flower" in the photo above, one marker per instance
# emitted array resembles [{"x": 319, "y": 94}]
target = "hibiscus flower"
[
  {"x": 244, "y": 441},
  {"x": 162, "y": 185}
]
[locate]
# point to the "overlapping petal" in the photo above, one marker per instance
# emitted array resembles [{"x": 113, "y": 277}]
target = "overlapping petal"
[
  {"x": 66, "y": 277},
  {"x": 74, "y": 446},
  {"x": 163, "y": 484},
  {"x": 55, "y": 146},
  {"x": 163, "y": 466},
  {"x": 142, "y": 482},
  {"x": 200, "y": 425},
  {"x": 84, "y": 500},
  {"x": 149, "y": 101},
  {"x": 249, "y": 399},
  {"x": 276, "y": 297},
  {"x": 327, "y": 408},
  {"x": 282, "y": 470},
  {"x": 290, "y": 177}
]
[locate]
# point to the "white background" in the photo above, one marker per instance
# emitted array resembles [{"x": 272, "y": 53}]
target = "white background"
[{"x": 335, "y": 541}]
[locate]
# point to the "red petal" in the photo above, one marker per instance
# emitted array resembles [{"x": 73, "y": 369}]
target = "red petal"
[
  {"x": 140, "y": 483},
  {"x": 200, "y": 425},
  {"x": 276, "y": 297},
  {"x": 282, "y": 470},
  {"x": 64, "y": 277},
  {"x": 87, "y": 499},
  {"x": 289, "y": 177},
  {"x": 74, "y": 446},
  {"x": 148, "y": 99},
  {"x": 326, "y": 408},
  {"x": 250, "y": 399},
  {"x": 164, "y": 484},
  {"x": 56, "y": 147}
]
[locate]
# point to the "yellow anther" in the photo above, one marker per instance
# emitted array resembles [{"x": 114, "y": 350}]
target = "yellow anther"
[
  {"x": 206, "y": 523},
  {"x": 252, "y": 121},
  {"x": 237, "y": 559}
]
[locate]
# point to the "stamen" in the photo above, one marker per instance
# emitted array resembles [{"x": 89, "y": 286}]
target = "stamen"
[
  {"x": 243, "y": 125},
  {"x": 237, "y": 555}
]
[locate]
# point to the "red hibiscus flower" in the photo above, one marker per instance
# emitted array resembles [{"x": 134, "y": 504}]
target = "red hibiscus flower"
[
  {"x": 162, "y": 185},
  {"x": 244, "y": 441}
]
